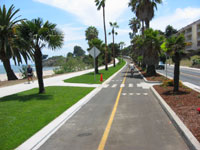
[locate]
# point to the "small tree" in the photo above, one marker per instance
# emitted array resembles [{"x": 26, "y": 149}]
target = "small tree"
[
  {"x": 98, "y": 44},
  {"x": 152, "y": 43},
  {"x": 175, "y": 46},
  {"x": 91, "y": 33},
  {"x": 37, "y": 35},
  {"x": 78, "y": 51},
  {"x": 169, "y": 31}
]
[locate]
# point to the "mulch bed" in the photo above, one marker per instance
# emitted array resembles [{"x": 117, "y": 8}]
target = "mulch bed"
[{"x": 184, "y": 103}]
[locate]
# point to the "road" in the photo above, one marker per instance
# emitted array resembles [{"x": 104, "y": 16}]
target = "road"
[
  {"x": 124, "y": 115},
  {"x": 186, "y": 74}
]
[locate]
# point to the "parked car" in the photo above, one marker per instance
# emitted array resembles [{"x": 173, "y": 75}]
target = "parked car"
[{"x": 160, "y": 65}]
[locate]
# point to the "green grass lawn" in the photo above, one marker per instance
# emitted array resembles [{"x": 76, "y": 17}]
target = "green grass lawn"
[
  {"x": 25, "y": 113},
  {"x": 89, "y": 78}
]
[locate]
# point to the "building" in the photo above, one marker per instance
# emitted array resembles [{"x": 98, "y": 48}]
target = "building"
[{"x": 192, "y": 36}]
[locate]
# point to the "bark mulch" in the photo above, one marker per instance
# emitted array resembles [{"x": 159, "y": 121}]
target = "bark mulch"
[{"x": 184, "y": 103}]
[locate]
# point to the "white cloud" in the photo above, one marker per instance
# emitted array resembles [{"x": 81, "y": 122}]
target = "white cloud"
[
  {"x": 123, "y": 31},
  {"x": 72, "y": 33},
  {"x": 86, "y": 11},
  {"x": 180, "y": 18}
]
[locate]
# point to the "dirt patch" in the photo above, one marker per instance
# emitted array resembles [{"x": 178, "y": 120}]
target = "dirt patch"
[{"x": 184, "y": 103}]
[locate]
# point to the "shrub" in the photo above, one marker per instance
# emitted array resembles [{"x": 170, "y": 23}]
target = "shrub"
[
  {"x": 72, "y": 65},
  {"x": 195, "y": 61},
  {"x": 170, "y": 83}
]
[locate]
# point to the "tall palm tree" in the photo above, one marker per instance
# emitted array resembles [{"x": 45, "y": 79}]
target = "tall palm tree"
[
  {"x": 91, "y": 33},
  {"x": 175, "y": 46},
  {"x": 37, "y": 35},
  {"x": 144, "y": 9},
  {"x": 101, "y": 4},
  {"x": 113, "y": 26},
  {"x": 8, "y": 38}
]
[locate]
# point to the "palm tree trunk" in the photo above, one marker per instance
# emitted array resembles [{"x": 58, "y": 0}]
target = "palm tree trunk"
[
  {"x": 38, "y": 66},
  {"x": 151, "y": 71},
  {"x": 106, "y": 49},
  {"x": 147, "y": 24},
  {"x": 9, "y": 71},
  {"x": 113, "y": 50},
  {"x": 176, "y": 74},
  {"x": 142, "y": 27},
  {"x": 96, "y": 65}
]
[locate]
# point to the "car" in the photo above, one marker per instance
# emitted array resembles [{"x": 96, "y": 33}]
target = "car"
[{"x": 160, "y": 65}]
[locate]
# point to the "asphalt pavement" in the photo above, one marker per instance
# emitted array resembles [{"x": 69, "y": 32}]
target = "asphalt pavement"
[
  {"x": 124, "y": 115},
  {"x": 190, "y": 75}
]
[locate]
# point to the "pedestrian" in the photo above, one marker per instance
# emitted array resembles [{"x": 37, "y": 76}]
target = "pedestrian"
[{"x": 29, "y": 74}]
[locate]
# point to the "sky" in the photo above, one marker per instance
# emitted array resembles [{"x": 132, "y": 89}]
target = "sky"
[{"x": 73, "y": 17}]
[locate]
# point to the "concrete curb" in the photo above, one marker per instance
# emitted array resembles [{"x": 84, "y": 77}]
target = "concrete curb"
[
  {"x": 39, "y": 138},
  {"x": 189, "y": 85},
  {"x": 198, "y": 69},
  {"x": 191, "y": 141},
  {"x": 146, "y": 79}
]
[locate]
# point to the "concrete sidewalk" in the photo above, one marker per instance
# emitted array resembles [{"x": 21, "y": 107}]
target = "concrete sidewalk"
[{"x": 52, "y": 81}]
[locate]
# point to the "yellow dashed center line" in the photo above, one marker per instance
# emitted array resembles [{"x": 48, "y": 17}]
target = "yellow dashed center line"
[{"x": 110, "y": 121}]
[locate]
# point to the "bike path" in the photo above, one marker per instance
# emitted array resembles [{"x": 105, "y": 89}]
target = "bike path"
[{"x": 138, "y": 122}]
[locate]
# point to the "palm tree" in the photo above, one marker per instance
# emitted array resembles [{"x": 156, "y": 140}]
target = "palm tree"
[
  {"x": 113, "y": 25},
  {"x": 98, "y": 44},
  {"x": 37, "y": 35},
  {"x": 151, "y": 46},
  {"x": 135, "y": 25},
  {"x": 169, "y": 31},
  {"x": 91, "y": 33},
  {"x": 8, "y": 39},
  {"x": 101, "y": 4},
  {"x": 144, "y": 9},
  {"x": 175, "y": 46}
]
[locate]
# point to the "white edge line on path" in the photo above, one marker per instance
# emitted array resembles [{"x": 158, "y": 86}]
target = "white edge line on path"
[
  {"x": 39, "y": 138},
  {"x": 183, "y": 130}
]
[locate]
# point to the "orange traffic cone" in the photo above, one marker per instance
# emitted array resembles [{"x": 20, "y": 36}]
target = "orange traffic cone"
[{"x": 101, "y": 78}]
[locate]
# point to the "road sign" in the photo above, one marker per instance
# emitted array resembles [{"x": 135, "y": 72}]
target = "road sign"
[{"x": 94, "y": 52}]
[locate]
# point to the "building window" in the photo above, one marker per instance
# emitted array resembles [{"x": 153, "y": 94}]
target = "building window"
[
  {"x": 198, "y": 35},
  {"x": 189, "y": 30},
  {"x": 198, "y": 27},
  {"x": 198, "y": 43}
]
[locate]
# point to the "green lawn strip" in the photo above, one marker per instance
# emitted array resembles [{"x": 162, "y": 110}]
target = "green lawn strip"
[
  {"x": 89, "y": 78},
  {"x": 25, "y": 113}
]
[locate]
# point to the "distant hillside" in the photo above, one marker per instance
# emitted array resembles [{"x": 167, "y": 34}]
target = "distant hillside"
[{"x": 53, "y": 61}]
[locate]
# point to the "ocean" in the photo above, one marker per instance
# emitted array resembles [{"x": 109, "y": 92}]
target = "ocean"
[{"x": 16, "y": 69}]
